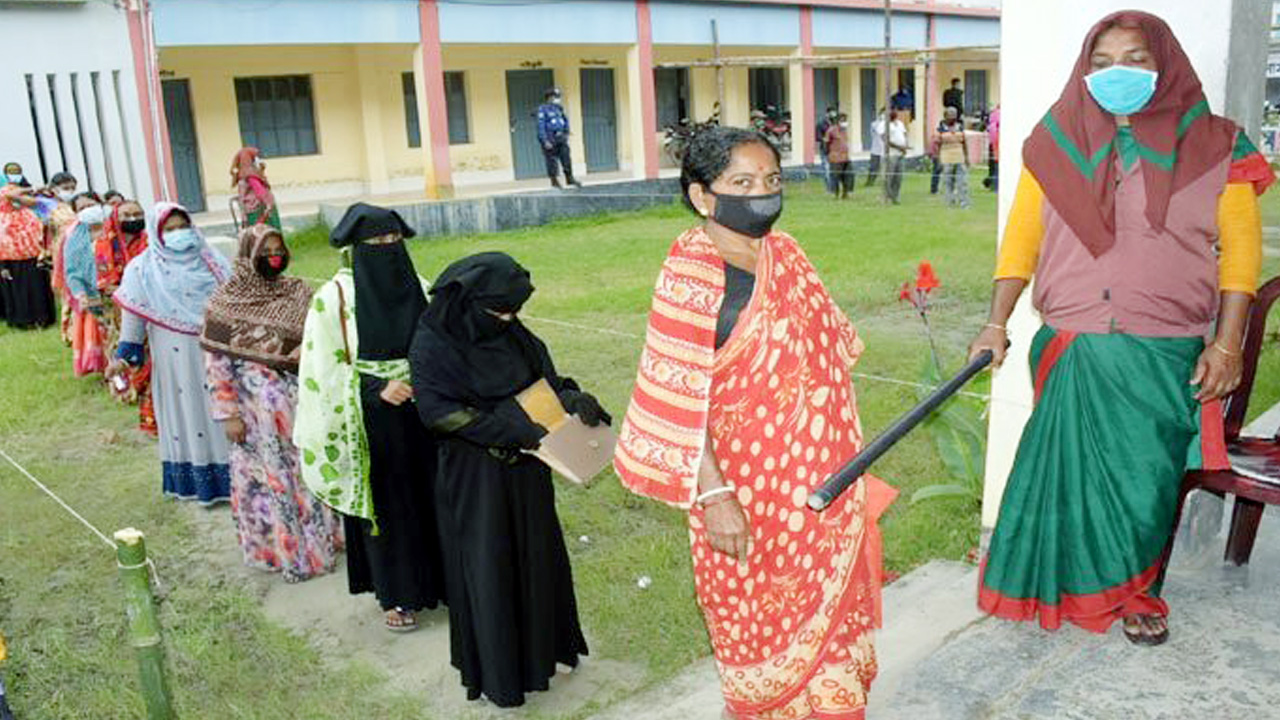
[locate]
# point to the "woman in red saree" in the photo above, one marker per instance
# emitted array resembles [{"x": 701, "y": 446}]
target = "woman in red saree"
[
  {"x": 123, "y": 238},
  {"x": 743, "y": 405}
]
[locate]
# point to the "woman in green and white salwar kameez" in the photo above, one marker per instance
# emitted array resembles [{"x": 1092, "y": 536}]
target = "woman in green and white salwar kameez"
[{"x": 364, "y": 450}]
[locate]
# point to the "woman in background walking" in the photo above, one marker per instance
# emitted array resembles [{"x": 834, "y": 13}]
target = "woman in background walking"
[{"x": 249, "y": 180}]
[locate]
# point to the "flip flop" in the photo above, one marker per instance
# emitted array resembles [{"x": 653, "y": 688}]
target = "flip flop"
[{"x": 399, "y": 620}]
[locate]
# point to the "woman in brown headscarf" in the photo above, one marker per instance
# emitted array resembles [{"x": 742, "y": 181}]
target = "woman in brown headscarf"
[
  {"x": 249, "y": 180},
  {"x": 1131, "y": 185},
  {"x": 252, "y": 338}
]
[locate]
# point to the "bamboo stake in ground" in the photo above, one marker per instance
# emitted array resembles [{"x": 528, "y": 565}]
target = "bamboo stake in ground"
[{"x": 144, "y": 625}]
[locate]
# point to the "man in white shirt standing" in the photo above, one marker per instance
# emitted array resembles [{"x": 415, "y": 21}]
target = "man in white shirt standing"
[
  {"x": 896, "y": 152},
  {"x": 877, "y": 148}
]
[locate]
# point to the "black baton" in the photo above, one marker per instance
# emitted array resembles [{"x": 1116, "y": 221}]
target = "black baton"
[{"x": 847, "y": 475}]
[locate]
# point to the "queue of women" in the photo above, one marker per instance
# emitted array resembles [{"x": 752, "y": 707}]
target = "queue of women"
[{"x": 379, "y": 410}]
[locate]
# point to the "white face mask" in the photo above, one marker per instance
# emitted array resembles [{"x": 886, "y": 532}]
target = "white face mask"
[
  {"x": 180, "y": 239},
  {"x": 65, "y": 195}
]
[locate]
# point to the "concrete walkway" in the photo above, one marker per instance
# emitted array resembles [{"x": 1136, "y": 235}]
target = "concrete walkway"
[{"x": 940, "y": 659}]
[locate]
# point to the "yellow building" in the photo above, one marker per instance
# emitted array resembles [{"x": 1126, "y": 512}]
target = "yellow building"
[{"x": 418, "y": 96}]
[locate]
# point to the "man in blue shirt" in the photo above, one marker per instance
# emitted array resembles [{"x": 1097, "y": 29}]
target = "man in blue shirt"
[{"x": 553, "y": 134}]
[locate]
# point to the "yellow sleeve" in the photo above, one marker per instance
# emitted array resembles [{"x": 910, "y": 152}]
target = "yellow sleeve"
[
  {"x": 1020, "y": 249},
  {"x": 1240, "y": 237}
]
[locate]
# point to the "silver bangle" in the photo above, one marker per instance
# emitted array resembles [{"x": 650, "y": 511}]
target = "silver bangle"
[{"x": 723, "y": 489}]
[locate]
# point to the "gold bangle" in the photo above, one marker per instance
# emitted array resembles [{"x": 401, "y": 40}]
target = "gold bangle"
[
  {"x": 994, "y": 326},
  {"x": 1217, "y": 345}
]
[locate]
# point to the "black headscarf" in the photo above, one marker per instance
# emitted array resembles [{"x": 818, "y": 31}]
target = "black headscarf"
[
  {"x": 491, "y": 357},
  {"x": 389, "y": 296}
]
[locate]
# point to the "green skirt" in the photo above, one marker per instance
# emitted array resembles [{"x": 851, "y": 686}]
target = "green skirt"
[
  {"x": 272, "y": 218},
  {"x": 1090, "y": 501}
]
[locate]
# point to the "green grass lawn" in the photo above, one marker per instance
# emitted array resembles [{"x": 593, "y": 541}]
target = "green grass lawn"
[{"x": 59, "y": 602}]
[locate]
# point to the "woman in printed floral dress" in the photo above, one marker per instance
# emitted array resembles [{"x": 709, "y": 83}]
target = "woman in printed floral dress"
[{"x": 252, "y": 337}]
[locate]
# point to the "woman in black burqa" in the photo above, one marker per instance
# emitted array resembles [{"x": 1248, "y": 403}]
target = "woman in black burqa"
[
  {"x": 512, "y": 611},
  {"x": 398, "y": 556}
]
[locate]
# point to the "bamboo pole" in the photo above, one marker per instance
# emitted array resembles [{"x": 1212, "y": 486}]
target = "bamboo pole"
[
  {"x": 715, "y": 48},
  {"x": 888, "y": 94},
  {"x": 905, "y": 56},
  {"x": 144, "y": 625}
]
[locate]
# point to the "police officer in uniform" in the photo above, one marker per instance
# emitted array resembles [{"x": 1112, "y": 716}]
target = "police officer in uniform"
[{"x": 553, "y": 134}]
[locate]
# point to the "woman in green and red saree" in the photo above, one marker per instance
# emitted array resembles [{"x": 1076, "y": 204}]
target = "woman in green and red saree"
[
  {"x": 1137, "y": 214},
  {"x": 742, "y": 406},
  {"x": 249, "y": 179}
]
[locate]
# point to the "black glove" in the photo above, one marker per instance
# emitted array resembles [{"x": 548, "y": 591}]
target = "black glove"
[
  {"x": 528, "y": 435},
  {"x": 585, "y": 406},
  {"x": 514, "y": 428}
]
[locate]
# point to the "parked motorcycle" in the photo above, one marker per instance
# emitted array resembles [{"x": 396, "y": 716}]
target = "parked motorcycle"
[
  {"x": 775, "y": 125},
  {"x": 676, "y": 137}
]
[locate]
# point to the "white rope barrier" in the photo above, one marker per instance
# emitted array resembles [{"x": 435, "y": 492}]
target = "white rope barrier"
[{"x": 72, "y": 511}]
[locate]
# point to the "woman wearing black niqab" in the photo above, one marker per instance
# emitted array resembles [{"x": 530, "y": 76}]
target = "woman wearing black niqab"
[
  {"x": 364, "y": 451},
  {"x": 512, "y": 610}
]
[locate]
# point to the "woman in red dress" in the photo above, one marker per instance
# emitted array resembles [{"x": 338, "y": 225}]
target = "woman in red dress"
[{"x": 742, "y": 406}]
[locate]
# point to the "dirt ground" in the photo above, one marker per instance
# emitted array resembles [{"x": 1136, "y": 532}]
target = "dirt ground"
[{"x": 347, "y": 628}]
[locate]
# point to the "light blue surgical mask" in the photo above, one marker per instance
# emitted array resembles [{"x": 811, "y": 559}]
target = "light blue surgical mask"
[
  {"x": 181, "y": 239},
  {"x": 1122, "y": 89},
  {"x": 15, "y": 179}
]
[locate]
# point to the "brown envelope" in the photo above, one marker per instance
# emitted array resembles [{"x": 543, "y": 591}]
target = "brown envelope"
[{"x": 570, "y": 447}]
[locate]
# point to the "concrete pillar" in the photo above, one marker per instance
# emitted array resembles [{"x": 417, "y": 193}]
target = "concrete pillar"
[
  {"x": 146, "y": 77},
  {"x": 803, "y": 122},
  {"x": 643, "y": 97},
  {"x": 920, "y": 128},
  {"x": 1040, "y": 42},
  {"x": 931, "y": 110},
  {"x": 1250, "y": 41},
  {"x": 433, "y": 120},
  {"x": 371, "y": 78}
]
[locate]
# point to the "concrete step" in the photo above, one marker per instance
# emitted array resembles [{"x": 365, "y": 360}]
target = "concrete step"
[{"x": 922, "y": 609}]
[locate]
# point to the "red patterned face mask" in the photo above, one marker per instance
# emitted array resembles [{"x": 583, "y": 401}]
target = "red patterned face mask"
[{"x": 270, "y": 266}]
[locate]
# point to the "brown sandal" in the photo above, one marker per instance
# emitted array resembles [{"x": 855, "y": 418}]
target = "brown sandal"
[{"x": 1140, "y": 629}]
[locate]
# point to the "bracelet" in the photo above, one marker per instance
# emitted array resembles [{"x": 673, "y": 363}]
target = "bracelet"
[
  {"x": 994, "y": 326},
  {"x": 722, "y": 490},
  {"x": 1217, "y": 345}
]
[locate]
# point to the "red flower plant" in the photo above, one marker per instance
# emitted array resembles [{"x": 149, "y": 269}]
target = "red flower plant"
[
  {"x": 926, "y": 282},
  {"x": 918, "y": 296}
]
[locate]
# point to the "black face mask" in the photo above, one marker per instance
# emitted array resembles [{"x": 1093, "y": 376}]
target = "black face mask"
[
  {"x": 751, "y": 215},
  {"x": 266, "y": 269},
  {"x": 133, "y": 227},
  {"x": 485, "y": 325}
]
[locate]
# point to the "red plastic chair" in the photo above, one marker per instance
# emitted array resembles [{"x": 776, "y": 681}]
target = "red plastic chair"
[{"x": 1254, "y": 477}]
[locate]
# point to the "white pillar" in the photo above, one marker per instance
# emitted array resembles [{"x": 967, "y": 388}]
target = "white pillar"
[
  {"x": 635, "y": 106},
  {"x": 70, "y": 131},
  {"x": 90, "y": 132},
  {"x": 373, "y": 86},
  {"x": 802, "y": 120},
  {"x": 1040, "y": 40},
  {"x": 47, "y": 129}
]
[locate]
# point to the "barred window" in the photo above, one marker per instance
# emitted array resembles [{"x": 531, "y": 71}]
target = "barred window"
[{"x": 277, "y": 115}]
